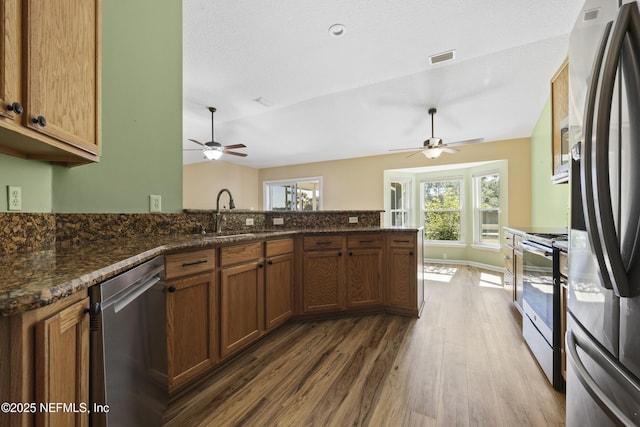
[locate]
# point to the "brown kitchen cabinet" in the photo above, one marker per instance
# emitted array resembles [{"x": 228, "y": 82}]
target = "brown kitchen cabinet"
[
  {"x": 50, "y": 59},
  {"x": 62, "y": 364},
  {"x": 241, "y": 296},
  {"x": 405, "y": 291},
  {"x": 44, "y": 358},
  {"x": 192, "y": 318},
  {"x": 364, "y": 270},
  {"x": 509, "y": 263},
  {"x": 323, "y": 273},
  {"x": 559, "y": 124},
  {"x": 278, "y": 283}
]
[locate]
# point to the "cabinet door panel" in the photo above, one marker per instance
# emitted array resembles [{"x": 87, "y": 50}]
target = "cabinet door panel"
[
  {"x": 62, "y": 70},
  {"x": 62, "y": 364},
  {"x": 323, "y": 288},
  {"x": 191, "y": 327},
  {"x": 278, "y": 290},
  {"x": 9, "y": 56},
  {"x": 364, "y": 277},
  {"x": 242, "y": 306},
  {"x": 402, "y": 271}
]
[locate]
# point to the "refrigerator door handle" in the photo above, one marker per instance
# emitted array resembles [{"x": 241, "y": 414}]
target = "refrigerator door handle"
[
  {"x": 586, "y": 159},
  {"x": 609, "y": 256},
  {"x": 599, "y": 396}
]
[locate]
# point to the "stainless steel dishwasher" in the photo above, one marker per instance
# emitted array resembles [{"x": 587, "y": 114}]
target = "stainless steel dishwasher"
[{"x": 128, "y": 380}]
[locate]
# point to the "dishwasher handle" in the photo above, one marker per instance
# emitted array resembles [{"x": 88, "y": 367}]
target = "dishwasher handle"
[{"x": 131, "y": 296}]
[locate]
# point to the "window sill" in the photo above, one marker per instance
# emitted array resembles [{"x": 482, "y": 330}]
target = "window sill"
[
  {"x": 445, "y": 243},
  {"x": 487, "y": 248}
]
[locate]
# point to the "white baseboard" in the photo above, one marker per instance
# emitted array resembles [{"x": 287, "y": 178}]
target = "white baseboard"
[{"x": 465, "y": 262}]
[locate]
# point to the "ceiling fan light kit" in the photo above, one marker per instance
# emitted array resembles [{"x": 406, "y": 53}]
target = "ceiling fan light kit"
[
  {"x": 213, "y": 150},
  {"x": 433, "y": 147}
]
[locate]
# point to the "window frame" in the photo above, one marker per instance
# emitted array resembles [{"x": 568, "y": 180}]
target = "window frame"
[
  {"x": 462, "y": 210},
  {"x": 478, "y": 210},
  {"x": 406, "y": 202},
  {"x": 266, "y": 193}
]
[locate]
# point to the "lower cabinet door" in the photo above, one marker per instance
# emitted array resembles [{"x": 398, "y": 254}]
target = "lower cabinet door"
[
  {"x": 241, "y": 306},
  {"x": 402, "y": 278},
  {"x": 323, "y": 281},
  {"x": 278, "y": 290},
  {"x": 364, "y": 278},
  {"x": 62, "y": 365},
  {"x": 191, "y": 327}
]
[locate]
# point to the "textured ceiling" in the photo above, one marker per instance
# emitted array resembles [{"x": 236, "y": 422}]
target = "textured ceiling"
[{"x": 368, "y": 91}]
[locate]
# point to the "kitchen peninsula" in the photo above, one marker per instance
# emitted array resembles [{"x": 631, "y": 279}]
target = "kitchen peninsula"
[{"x": 317, "y": 265}]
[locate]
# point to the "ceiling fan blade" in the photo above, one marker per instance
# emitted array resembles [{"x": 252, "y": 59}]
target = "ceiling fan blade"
[
  {"x": 407, "y": 149},
  {"x": 466, "y": 141},
  {"x": 449, "y": 150},
  {"x": 233, "y": 153},
  {"x": 197, "y": 142},
  {"x": 234, "y": 146},
  {"x": 413, "y": 154}
]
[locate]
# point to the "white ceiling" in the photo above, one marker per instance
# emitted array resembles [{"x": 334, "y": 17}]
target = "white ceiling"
[{"x": 368, "y": 91}]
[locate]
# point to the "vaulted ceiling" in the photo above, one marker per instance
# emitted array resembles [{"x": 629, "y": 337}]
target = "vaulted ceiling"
[{"x": 294, "y": 93}]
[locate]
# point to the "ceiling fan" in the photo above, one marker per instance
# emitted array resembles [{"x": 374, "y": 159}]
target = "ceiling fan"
[
  {"x": 213, "y": 150},
  {"x": 433, "y": 147}
]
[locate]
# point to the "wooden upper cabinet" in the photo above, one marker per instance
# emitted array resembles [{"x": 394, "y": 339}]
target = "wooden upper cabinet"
[
  {"x": 62, "y": 70},
  {"x": 560, "y": 124},
  {"x": 51, "y": 54},
  {"x": 9, "y": 58}
]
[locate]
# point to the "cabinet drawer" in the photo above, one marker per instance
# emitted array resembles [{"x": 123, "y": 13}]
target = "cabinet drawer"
[
  {"x": 279, "y": 247},
  {"x": 322, "y": 242},
  {"x": 240, "y": 253},
  {"x": 402, "y": 240},
  {"x": 185, "y": 263},
  {"x": 364, "y": 241}
]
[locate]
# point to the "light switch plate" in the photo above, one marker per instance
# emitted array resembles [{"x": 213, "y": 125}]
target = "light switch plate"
[
  {"x": 353, "y": 220},
  {"x": 14, "y": 198},
  {"x": 278, "y": 221},
  {"x": 155, "y": 203},
  {"x": 248, "y": 221}
]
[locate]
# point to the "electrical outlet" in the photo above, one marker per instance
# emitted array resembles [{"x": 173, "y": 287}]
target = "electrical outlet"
[
  {"x": 14, "y": 198},
  {"x": 248, "y": 221},
  {"x": 155, "y": 203},
  {"x": 353, "y": 220},
  {"x": 278, "y": 221},
  {"x": 444, "y": 255}
]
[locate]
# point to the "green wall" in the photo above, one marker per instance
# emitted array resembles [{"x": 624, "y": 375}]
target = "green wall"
[
  {"x": 141, "y": 115},
  {"x": 549, "y": 202},
  {"x": 33, "y": 177}
]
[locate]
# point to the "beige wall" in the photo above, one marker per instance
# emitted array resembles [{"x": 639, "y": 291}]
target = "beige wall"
[
  {"x": 202, "y": 181},
  {"x": 358, "y": 183}
]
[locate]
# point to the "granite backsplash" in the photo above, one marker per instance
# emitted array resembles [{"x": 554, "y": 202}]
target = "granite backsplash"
[{"x": 26, "y": 232}]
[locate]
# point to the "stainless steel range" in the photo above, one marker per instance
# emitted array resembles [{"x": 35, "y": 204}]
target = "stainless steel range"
[{"x": 541, "y": 326}]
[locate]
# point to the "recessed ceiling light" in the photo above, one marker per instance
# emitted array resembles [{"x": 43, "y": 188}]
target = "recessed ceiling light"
[{"x": 337, "y": 30}]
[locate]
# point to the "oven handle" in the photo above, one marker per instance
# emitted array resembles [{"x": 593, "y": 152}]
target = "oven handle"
[{"x": 536, "y": 248}]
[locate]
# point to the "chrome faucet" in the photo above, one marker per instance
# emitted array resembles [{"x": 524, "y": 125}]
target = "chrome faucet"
[{"x": 220, "y": 218}]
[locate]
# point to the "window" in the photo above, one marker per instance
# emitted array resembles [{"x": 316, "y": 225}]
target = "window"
[
  {"x": 293, "y": 195},
  {"x": 442, "y": 208},
  {"x": 486, "y": 200},
  {"x": 400, "y": 206}
]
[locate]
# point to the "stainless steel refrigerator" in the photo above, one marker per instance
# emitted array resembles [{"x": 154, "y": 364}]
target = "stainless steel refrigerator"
[{"x": 603, "y": 324}]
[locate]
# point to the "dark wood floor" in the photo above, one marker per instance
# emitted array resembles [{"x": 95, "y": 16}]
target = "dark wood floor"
[{"x": 463, "y": 363}]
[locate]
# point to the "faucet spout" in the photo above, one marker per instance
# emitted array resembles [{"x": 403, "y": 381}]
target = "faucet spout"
[{"x": 220, "y": 218}]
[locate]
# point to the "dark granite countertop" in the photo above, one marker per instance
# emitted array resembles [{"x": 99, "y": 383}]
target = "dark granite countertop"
[{"x": 35, "y": 279}]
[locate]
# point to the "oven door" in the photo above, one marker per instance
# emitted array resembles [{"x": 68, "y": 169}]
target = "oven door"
[{"x": 538, "y": 287}]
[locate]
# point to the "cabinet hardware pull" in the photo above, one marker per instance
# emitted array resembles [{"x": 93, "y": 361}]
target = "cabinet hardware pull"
[
  {"x": 339, "y": 253},
  {"x": 40, "y": 120},
  {"x": 401, "y": 241},
  {"x": 93, "y": 310},
  {"x": 16, "y": 107},
  {"x": 188, "y": 264},
  {"x": 270, "y": 262},
  {"x": 261, "y": 265},
  {"x": 171, "y": 288},
  {"x": 323, "y": 243},
  {"x": 411, "y": 253},
  {"x": 366, "y": 241},
  {"x": 350, "y": 253}
]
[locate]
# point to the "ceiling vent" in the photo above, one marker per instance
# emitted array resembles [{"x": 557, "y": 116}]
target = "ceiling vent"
[
  {"x": 590, "y": 15},
  {"x": 442, "y": 57}
]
